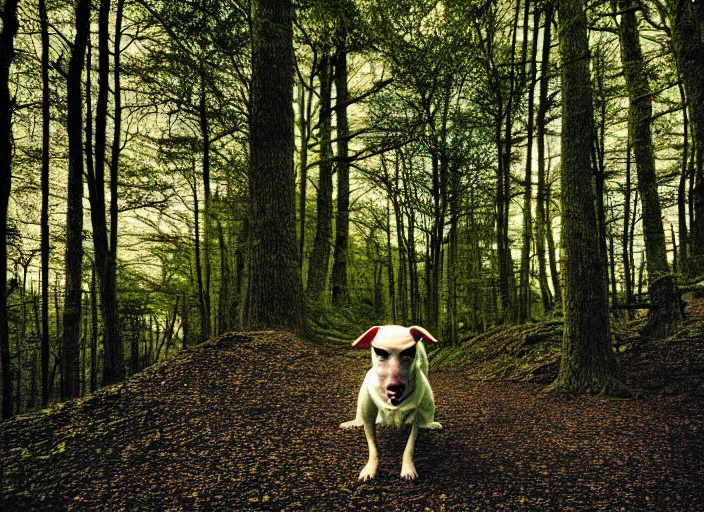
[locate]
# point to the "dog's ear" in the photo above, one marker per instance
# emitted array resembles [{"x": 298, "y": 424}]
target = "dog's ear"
[
  {"x": 365, "y": 340},
  {"x": 420, "y": 334}
]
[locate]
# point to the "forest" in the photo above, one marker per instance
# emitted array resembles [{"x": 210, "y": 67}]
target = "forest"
[{"x": 174, "y": 170}]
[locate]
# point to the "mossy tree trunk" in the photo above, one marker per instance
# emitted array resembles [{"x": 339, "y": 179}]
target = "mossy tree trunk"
[
  {"x": 686, "y": 20},
  {"x": 275, "y": 290},
  {"x": 588, "y": 361},
  {"x": 666, "y": 312}
]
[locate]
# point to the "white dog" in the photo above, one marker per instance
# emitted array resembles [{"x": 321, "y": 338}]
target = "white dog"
[{"x": 396, "y": 390}]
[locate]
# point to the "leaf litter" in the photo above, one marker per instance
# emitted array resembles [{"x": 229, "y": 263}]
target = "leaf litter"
[{"x": 250, "y": 422}]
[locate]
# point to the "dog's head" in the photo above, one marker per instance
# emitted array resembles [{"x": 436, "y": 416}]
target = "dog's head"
[{"x": 393, "y": 356}]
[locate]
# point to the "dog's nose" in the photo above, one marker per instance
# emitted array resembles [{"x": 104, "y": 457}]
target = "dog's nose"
[{"x": 395, "y": 388}]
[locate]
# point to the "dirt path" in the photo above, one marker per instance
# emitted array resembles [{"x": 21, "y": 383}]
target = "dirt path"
[{"x": 251, "y": 423}]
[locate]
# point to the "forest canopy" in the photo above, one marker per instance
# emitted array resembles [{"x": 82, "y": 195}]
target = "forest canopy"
[{"x": 171, "y": 171}]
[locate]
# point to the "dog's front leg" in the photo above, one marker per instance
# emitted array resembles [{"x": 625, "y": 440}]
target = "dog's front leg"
[
  {"x": 408, "y": 468},
  {"x": 368, "y": 412}
]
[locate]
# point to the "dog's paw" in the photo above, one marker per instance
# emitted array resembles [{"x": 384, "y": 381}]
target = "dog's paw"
[
  {"x": 408, "y": 471},
  {"x": 368, "y": 472},
  {"x": 351, "y": 424}
]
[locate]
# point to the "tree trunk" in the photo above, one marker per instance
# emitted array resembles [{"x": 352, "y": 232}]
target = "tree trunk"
[
  {"x": 46, "y": 118},
  {"x": 402, "y": 246},
  {"x": 74, "y": 217},
  {"x": 525, "y": 290},
  {"x": 7, "y": 54},
  {"x": 682, "y": 189},
  {"x": 320, "y": 255},
  {"x": 552, "y": 255},
  {"x": 688, "y": 49},
  {"x": 390, "y": 264},
  {"x": 113, "y": 360},
  {"x": 666, "y": 312},
  {"x": 275, "y": 290},
  {"x": 197, "y": 250},
  {"x": 627, "y": 279},
  {"x": 541, "y": 121},
  {"x": 205, "y": 134},
  {"x": 588, "y": 362},
  {"x": 93, "y": 333},
  {"x": 342, "y": 221}
]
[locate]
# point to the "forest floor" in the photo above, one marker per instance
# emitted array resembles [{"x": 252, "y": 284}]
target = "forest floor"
[{"x": 250, "y": 422}]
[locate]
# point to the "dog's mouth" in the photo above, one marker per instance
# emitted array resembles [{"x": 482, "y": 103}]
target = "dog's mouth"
[{"x": 394, "y": 397}]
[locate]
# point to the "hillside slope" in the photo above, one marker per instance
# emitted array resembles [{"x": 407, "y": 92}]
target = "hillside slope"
[{"x": 250, "y": 422}]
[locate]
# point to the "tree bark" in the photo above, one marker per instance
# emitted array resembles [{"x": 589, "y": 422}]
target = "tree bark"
[
  {"x": 541, "y": 220},
  {"x": 74, "y": 217},
  {"x": 206, "y": 328},
  {"x": 688, "y": 49},
  {"x": 682, "y": 189},
  {"x": 105, "y": 262},
  {"x": 275, "y": 290},
  {"x": 342, "y": 221},
  {"x": 588, "y": 362},
  {"x": 7, "y": 54},
  {"x": 46, "y": 118},
  {"x": 666, "y": 312},
  {"x": 524, "y": 300},
  {"x": 320, "y": 255}
]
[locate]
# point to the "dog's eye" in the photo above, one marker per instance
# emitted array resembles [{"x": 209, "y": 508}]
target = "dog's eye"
[
  {"x": 409, "y": 353},
  {"x": 381, "y": 354}
]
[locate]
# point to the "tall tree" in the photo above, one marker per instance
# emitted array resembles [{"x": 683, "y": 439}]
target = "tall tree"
[
  {"x": 7, "y": 54},
  {"x": 524, "y": 302},
  {"x": 46, "y": 118},
  {"x": 686, "y": 19},
  {"x": 74, "y": 214},
  {"x": 342, "y": 220},
  {"x": 275, "y": 290},
  {"x": 320, "y": 254},
  {"x": 664, "y": 297},
  {"x": 588, "y": 361},
  {"x": 105, "y": 254},
  {"x": 541, "y": 218}
]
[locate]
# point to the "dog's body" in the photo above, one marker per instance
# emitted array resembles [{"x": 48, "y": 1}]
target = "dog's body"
[{"x": 395, "y": 391}]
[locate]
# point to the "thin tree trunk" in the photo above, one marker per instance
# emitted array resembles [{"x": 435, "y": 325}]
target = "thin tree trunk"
[
  {"x": 113, "y": 360},
  {"x": 205, "y": 133},
  {"x": 552, "y": 254},
  {"x": 682, "y": 189},
  {"x": 342, "y": 221},
  {"x": 304, "y": 132},
  {"x": 390, "y": 263},
  {"x": 541, "y": 220},
  {"x": 524, "y": 290},
  {"x": 74, "y": 217},
  {"x": 628, "y": 281},
  {"x": 320, "y": 255},
  {"x": 93, "y": 332},
  {"x": 402, "y": 244},
  {"x": 46, "y": 118},
  {"x": 197, "y": 249}
]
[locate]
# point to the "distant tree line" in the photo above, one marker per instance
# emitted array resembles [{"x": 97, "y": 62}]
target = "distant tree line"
[{"x": 170, "y": 171}]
